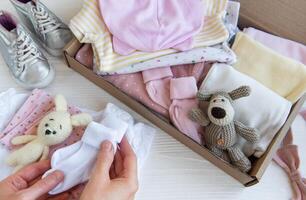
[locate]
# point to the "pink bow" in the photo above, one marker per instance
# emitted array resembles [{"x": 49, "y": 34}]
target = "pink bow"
[{"x": 287, "y": 157}]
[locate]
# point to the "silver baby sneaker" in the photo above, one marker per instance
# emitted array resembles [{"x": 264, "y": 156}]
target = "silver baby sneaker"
[
  {"x": 27, "y": 64},
  {"x": 52, "y": 33}
]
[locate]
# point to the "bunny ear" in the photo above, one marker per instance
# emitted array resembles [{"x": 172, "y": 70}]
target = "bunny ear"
[
  {"x": 240, "y": 92},
  {"x": 60, "y": 103},
  {"x": 82, "y": 119},
  {"x": 203, "y": 97}
]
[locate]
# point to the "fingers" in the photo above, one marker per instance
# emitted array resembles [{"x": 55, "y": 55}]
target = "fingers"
[
  {"x": 44, "y": 185},
  {"x": 129, "y": 159},
  {"x": 32, "y": 171},
  {"x": 104, "y": 161},
  {"x": 118, "y": 163}
]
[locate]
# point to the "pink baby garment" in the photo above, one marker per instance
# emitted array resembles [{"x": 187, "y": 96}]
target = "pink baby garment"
[
  {"x": 157, "y": 84},
  {"x": 27, "y": 118},
  {"x": 152, "y": 25},
  {"x": 283, "y": 46},
  {"x": 85, "y": 55},
  {"x": 133, "y": 85},
  {"x": 183, "y": 95}
]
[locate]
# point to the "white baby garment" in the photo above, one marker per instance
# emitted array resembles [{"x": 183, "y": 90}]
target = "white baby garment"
[
  {"x": 10, "y": 102},
  {"x": 263, "y": 109},
  {"x": 77, "y": 160}
]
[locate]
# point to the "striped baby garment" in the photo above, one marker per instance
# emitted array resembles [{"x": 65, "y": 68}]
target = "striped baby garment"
[{"x": 88, "y": 27}]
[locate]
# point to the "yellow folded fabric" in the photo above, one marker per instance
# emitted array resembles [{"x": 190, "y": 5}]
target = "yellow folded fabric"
[
  {"x": 88, "y": 26},
  {"x": 283, "y": 75}
]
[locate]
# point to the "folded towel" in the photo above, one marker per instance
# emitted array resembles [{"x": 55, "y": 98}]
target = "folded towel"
[
  {"x": 281, "y": 74},
  {"x": 263, "y": 109},
  {"x": 283, "y": 46}
]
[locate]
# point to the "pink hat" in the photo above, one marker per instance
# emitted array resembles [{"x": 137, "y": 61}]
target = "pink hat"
[{"x": 151, "y": 25}]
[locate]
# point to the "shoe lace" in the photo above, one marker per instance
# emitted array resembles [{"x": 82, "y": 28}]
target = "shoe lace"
[
  {"x": 26, "y": 51},
  {"x": 46, "y": 23}
]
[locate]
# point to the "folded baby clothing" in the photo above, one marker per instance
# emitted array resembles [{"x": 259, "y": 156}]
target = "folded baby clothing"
[
  {"x": 133, "y": 85},
  {"x": 27, "y": 118},
  {"x": 76, "y": 161},
  {"x": 152, "y": 25},
  {"x": 157, "y": 83},
  {"x": 217, "y": 53},
  {"x": 264, "y": 109},
  {"x": 85, "y": 56},
  {"x": 88, "y": 27},
  {"x": 158, "y": 80},
  {"x": 283, "y": 46},
  {"x": 183, "y": 98},
  {"x": 10, "y": 102},
  {"x": 283, "y": 75}
]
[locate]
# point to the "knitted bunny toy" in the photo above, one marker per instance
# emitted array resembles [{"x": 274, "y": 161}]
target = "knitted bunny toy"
[
  {"x": 53, "y": 129},
  {"x": 222, "y": 130}
]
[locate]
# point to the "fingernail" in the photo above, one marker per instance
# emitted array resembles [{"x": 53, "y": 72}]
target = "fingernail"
[
  {"x": 58, "y": 175},
  {"x": 107, "y": 146}
]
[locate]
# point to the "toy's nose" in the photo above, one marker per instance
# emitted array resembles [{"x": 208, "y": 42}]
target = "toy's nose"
[
  {"x": 48, "y": 132},
  {"x": 218, "y": 112}
]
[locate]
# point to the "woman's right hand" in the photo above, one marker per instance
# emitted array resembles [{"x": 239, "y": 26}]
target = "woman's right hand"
[{"x": 114, "y": 176}]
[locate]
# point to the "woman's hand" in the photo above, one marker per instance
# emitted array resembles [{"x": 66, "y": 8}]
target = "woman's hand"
[
  {"x": 114, "y": 176},
  {"x": 26, "y": 184}
]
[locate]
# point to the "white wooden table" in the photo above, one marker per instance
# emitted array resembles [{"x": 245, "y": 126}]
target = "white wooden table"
[{"x": 172, "y": 171}]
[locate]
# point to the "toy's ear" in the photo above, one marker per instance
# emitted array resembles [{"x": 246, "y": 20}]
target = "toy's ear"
[
  {"x": 60, "y": 103},
  {"x": 82, "y": 119},
  {"x": 242, "y": 91},
  {"x": 203, "y": 97}
]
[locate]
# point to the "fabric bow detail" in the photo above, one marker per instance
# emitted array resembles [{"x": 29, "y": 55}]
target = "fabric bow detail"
[{"x": 287, "y": 157}]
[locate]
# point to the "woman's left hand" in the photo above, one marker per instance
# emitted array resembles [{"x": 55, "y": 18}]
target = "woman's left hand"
[{"x": 26, "y": 184}]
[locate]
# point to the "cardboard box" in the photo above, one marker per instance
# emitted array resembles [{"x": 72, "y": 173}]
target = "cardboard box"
[
  {"x": 248, "y": 17},
  {"x": 286, "y": 18}
]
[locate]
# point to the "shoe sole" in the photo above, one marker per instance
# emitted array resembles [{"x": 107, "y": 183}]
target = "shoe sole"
[{"x": 47, "y": 81}]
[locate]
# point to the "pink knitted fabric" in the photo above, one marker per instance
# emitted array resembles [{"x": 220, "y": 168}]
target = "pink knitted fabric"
[
  {"x": 152, "y": 25},
  {"x": 183, "y": 98},
  {"x": 28, "y": 117}
]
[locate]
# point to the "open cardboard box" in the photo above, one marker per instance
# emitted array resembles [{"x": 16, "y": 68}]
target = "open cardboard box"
[{"x": 259, "y": 165}]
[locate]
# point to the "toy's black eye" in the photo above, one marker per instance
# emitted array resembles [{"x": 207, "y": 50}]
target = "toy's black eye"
[
  {"x": 61, "y": 127},
  {"x": 51, "y": 119},
  {"x": 215, "y": 101},
  {"x": 46, "y": 125},
  {"x": 222, "y": 100}
]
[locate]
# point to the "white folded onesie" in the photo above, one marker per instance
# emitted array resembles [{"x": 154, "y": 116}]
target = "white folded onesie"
[
  {"x": 77, "y": 160},
  {"x": 263, "y": 109}
]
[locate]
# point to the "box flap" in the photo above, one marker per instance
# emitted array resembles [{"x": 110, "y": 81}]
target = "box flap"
[{"x": 285, "y": 18}]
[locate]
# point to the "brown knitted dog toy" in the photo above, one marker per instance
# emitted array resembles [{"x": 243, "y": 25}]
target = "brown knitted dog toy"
[{"x": 221, "y": 129}]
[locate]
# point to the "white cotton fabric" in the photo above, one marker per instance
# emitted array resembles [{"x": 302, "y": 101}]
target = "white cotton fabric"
[
  {"x": 76, "y": 161},
  {"x": 263, "y": 109},
  {"x": 10, "y": 102}
]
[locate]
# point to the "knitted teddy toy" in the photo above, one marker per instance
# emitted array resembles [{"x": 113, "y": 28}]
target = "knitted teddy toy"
[
  {"x": 53, "y": 129},
  {"x": 222, "y": 130}
]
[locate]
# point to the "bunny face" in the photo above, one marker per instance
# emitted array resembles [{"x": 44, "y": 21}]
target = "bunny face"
[{"x": 55, "y": 128}]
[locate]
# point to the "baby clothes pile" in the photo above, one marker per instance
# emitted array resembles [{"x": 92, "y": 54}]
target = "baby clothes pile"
[
  {"x": 21, "y": 113},
  {"x": 163, "y": 64}
]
